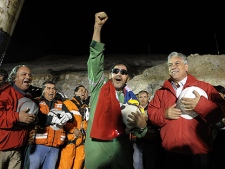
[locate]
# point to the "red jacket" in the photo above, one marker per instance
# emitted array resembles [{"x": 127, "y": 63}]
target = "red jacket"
[
  {"x": 182, "y": 135},
  {"x": 12, "y": 136}
]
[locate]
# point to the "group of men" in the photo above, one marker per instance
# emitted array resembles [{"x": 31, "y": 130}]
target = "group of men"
[
  {"x": 187, "y": 142},
  {"x": 46, "y": 136}
]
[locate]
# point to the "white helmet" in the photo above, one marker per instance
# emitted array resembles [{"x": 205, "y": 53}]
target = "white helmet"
[
  {"x": 126, "y": 109},
  {"x": 24, "y": 103},
  {"x": 188, "y": 92}
]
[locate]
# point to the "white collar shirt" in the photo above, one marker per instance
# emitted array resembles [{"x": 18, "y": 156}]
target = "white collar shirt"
[{"x": 178, "y": 88}]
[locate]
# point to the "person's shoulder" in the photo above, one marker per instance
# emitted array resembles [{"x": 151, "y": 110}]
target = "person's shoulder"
[
  {"x": 6, "y": 87},
  {"x": 71, "y": 102},
  {"x": 7, "y": 92},
  {"x": 202, "y": 83},
  {"x": 71, "y": 105},
  {"x": 36, "y": 100},
  {"x": 58, "y": 101},
  {"x": 207, "y": 87},
  {"x": 191, "y": 78},
  {"x": 67, "y": 101}
]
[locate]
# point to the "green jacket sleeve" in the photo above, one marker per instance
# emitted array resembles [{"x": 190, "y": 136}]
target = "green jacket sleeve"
[{"x": 95, "y": 64}]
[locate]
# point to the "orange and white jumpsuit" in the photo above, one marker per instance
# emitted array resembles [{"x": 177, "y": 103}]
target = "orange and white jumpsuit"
[{"x": 72, "y": 154}]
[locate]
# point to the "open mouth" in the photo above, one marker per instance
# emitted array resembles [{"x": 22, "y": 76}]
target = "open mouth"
[
  {"x": 174, "y": 71},
  {"x": 118, "y": 79},
  {"x": 26, "y": 81}
]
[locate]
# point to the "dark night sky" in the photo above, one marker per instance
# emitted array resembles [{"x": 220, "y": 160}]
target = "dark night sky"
[{"x": 47, "y": 27}]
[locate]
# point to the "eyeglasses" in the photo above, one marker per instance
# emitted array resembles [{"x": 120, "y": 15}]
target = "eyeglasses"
[{"x": 122, "y": 71}]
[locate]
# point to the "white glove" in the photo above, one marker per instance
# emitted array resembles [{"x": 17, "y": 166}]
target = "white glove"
[
  {"x": 56, "y": 120},
  {"x": 56, "y": 126},
  {"x": 87, "y": 113},
  {"x": 64, "y": 117},
  {"x": 55, "y": 111}
]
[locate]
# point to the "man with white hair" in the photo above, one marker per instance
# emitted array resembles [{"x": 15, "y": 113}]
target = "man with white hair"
[
  {"x": 13, "y": 136},
  {"x": 187, "y": 139}
]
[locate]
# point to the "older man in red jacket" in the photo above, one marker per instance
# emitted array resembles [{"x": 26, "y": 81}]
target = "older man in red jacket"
[
  {"x": 13, "y": 136},
  {"x": 186, "y": 140}
]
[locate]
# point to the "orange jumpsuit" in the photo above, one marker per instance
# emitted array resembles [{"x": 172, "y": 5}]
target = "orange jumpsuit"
[{"x": 72, "y": 154}]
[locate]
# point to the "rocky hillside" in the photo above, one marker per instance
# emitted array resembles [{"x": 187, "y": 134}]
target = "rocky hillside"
[
  {"x": 208, "y": 68},
  {"x": 150, "y": 71}
]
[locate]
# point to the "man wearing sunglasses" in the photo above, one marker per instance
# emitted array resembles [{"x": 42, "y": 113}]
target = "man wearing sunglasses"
[{"x": 107, "y": 144}]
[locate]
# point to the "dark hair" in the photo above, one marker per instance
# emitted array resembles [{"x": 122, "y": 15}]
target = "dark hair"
[
  {"x": 120, "y": 62},
  {"x": 219, "y": 88},
  {"x": 222, "y": 91},
  {"x": 47, "y": 82},
  {"x": 4, "y": 73},
  {"x": 35, "y": 91},
  {"x": 78, "y": 87},
  {"x": 143, "y": 91},
  {"x": 60, "y": 96}
]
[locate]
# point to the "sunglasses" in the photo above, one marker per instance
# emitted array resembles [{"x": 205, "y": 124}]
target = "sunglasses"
[{"x": 122, "y": 71}]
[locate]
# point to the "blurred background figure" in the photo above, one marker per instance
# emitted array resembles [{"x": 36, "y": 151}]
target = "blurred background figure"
[
  {"x": 3, "y": 76},
  {"x": 72, "y": 153},
  {"x": 87, "y": 97},
  {"x": 221, "y": 90},
  {"x": 219, "y": 136},
  {"x": 148, "y": 148}
]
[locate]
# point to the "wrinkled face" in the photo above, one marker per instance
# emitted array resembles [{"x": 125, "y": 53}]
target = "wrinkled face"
[
  {"x": 119, "y": 77},
  {"x": 23, "y": 78},
  {"x": 143, "y": 99},
  {"x": 177, "y": 69},
  {"x": 49, "y": 92},
  {"x": 81, "y": 92}
]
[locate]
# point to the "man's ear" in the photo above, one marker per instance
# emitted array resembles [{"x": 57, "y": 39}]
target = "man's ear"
[
  {"x": 186, "y": 67},
  {"x": 110, "y": 75},
  {"x": 149, "y": 95}
]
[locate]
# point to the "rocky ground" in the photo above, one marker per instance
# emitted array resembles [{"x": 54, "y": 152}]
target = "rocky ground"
[{"x": 150, "y": 71}]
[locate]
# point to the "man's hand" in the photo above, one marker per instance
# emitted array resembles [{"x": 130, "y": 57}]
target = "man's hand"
[
  {"x": 136, "y": 120},
  {"x": 190, "y": 103},
  {"x": 65, "y": 116},
  {"x": 25, "y": 117},
  {"x": 77, "y": 133},
  {"x": 172, "y": 112},
  {"x": 56, "y": 120},
  {"x": 100, "y": 18}
]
